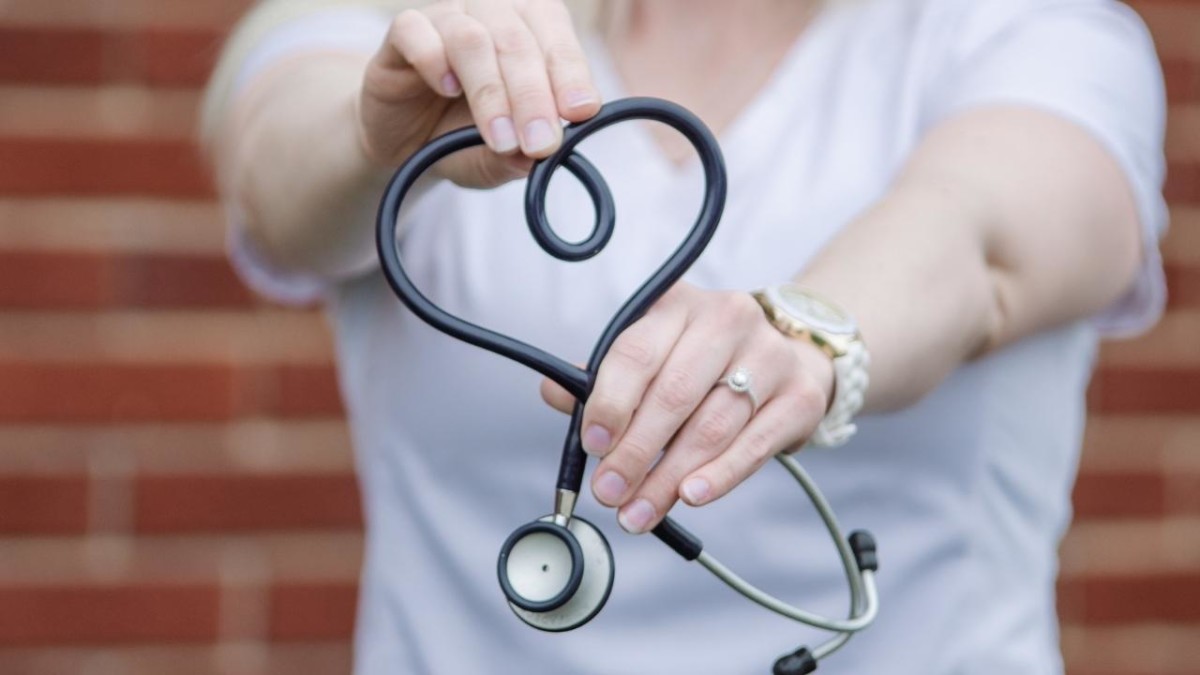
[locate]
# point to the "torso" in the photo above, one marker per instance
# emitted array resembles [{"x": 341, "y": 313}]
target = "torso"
[
  {"x": 693, "y": 53},
  {"x": 456, "y": 449}
]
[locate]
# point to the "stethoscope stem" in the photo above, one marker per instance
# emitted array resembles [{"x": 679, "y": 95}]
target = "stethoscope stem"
[{"x": 564, "y": 506}]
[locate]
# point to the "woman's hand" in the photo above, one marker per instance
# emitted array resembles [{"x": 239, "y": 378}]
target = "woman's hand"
[
  {"x": 514, "y": 68},
  {"x": 658, "y": 397}
]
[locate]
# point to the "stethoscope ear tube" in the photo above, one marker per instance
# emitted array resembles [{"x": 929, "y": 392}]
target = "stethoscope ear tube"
[
  {"x": 857, "y": 553},
  {"x": 575, "y": 380}
]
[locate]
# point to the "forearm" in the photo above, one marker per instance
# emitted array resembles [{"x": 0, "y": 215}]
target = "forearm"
[
  {"x": 1004, "y": 223},
  {"x": 297, "y": 170}
]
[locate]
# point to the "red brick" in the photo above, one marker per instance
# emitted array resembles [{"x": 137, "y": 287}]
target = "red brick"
[
  {"x": 298, "y": 391},
  {"x": 1183, "y": 80},
  {"x": 70, "y": 280},
  {"x": 107, "y": 614},
  {"x": 307, "y": 391},
  {"x": 1130, "y": 390},
  {"x": 1072, "y": 670},
  {"x": 312, "y": 611},
  {"x": 124, "y": 393},
  {"x": 1183, "y": 287},
  {"x": 43, "y": 504},
  {"x": 1109, "y": 600},
  {"x": 124, "y": 14},
  {"x": 53, "y": 55},
  {"x": 112, "y": 167},
  {"x": 229, "y": 502},
  {"x": 1183, "y": 183},
  {"x": 116, "y": 393},
  {"x": 1107, "y": 495}
]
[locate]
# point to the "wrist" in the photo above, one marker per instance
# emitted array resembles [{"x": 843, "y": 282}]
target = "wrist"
[
  {"x": 822, "y": 326},
  {"x": 817, "y": 367}
]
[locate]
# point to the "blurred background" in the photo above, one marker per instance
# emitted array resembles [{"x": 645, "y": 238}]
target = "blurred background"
[{"x": 176, "y": 482}]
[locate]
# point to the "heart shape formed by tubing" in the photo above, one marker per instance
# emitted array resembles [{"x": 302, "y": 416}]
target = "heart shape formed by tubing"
[
  {"x": 532, "y": 561},
  {"x": 575, "y": 380}
]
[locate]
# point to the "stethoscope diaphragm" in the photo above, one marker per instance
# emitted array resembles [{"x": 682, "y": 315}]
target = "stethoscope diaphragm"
[{"x": 556, "y": 578}]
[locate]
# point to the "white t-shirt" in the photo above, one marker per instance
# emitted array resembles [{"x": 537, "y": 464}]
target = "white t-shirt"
[{"x": 967, "y": 492}]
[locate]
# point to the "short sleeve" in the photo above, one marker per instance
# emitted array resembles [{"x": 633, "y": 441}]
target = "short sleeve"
[
  {"x": 352, "y": 30},
  {"x": 1091, "y": 62}
]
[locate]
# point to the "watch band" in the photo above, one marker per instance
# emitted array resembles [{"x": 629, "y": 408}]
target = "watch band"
[{"x": 850, "y": 387}]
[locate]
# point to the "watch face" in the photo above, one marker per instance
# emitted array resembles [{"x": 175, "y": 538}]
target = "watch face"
[{"x": 814, "y": 311}]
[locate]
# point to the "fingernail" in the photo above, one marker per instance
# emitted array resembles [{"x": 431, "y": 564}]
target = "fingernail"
[
  {"x": 504, "y": 134},
  {"x": 636, "y": 517},
  {"x": 695, "y": 490},
  {"x": 538, "y": 135},
  {"x": 450, "y": 85},
  {"x": 579, "y": 98},
  {"x": 609, "y": 488},
  {"x": 596, "y": 440}
]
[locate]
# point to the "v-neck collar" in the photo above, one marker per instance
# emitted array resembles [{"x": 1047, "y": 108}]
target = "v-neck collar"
[{"x": 756, "y": 124}]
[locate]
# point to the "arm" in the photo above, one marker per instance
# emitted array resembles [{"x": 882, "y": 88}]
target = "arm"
[
  {"x": 312, "y": 141},
  {"x": 1013, "y": 215},
  {"x": 306, "y": 205},
  {"x": 1005, "y": 222}
]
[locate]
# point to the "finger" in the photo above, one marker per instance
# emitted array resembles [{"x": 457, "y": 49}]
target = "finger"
[
  {"x": 472, "y": 55},
  {"x": 780, "y": 424},
  {"x": 413, "y": 42},
  {"x": 698, "y": 360},
  {"x": 574, "y": 90},
  {"x": 709, "y": 431},
  {"x": 556, "y": 396},
  {"x": 524, "y": 71},
  {"x": 707, "y": 434},
  {"x": 626, "y": 372}
]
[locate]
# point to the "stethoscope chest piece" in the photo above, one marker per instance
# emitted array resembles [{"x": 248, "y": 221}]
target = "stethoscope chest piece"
[{"x": 556, "y": 578}]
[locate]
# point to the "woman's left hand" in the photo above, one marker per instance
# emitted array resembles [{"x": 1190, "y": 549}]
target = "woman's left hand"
[{"x": 659, "y": 397}]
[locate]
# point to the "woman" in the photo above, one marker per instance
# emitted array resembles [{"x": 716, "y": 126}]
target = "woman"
[{"x": 976, "y": 183}]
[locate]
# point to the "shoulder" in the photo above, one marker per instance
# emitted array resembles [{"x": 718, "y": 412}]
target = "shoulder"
[{"x": 970, "y": 24}]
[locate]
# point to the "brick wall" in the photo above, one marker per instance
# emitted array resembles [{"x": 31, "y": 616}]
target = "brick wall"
[{"x": 176, "y": 488}]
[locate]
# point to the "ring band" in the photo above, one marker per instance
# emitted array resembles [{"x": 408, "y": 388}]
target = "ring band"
[{"x": 740, "y": 381}]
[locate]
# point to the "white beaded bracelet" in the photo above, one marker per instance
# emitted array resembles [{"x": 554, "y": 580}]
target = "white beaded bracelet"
[{"x": 851, "y": 380}]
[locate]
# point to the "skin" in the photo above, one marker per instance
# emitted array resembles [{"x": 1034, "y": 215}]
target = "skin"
[{"x": 1003, "y": 223}]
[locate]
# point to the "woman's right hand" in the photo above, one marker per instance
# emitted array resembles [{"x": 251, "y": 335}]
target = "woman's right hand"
[{"x": 513, "y": 68}]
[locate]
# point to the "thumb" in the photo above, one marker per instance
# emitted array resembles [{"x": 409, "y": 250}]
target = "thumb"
[{"x": 557, "y": 397}]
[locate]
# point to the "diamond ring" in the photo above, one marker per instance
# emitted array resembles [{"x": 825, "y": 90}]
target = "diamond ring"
[{"x": 740, "y": 381}]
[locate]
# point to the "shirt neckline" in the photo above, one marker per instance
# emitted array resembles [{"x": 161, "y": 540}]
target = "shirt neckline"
[{"x": 758, "y": 119}]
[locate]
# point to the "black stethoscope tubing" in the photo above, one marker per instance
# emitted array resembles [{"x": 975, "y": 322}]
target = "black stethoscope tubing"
[{"x": 575, "y": 380}]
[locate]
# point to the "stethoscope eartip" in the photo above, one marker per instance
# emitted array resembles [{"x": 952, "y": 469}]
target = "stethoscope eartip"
[
  {"x": 799, "y": 662},
  {"x": 863, "y": 545}
]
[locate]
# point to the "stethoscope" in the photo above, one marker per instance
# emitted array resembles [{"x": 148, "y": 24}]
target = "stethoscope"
[{"x": 557, "y": 571}]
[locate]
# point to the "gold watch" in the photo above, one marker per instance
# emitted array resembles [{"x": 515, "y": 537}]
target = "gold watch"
[{"x": 801, "y": 314}]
